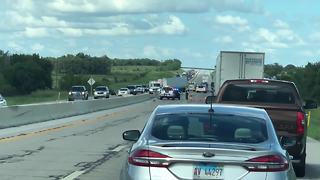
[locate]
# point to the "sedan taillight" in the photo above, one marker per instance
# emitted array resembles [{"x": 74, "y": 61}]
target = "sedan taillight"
[
  {"x": 148, "y": 158},
  {"x": 270, "y": 163}
]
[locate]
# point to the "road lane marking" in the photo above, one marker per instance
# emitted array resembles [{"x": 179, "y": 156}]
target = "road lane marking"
[
  {"x": 119, "y": 148},
  {"x": 73, "y": 175}
]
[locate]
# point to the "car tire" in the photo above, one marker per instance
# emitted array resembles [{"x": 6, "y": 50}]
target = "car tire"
[
  {"x": 161, "y": 98},
  {"x": 300, "y": 169}
]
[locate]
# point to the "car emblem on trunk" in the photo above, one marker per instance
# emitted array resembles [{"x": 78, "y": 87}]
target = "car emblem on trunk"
[{"x": 208, "y": 154}]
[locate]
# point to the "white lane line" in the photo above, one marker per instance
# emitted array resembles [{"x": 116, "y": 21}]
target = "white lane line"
[
  {"x": 119, "y": 148},
  {"x": 73, "y": 175}
]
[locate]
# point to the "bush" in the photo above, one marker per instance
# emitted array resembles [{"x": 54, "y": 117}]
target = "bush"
[{"x": 71, "y": 80}]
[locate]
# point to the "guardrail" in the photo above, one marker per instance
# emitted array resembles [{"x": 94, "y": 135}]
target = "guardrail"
[{"x": 21, "y": 115}]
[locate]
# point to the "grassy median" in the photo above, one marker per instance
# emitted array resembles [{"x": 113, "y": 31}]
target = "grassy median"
[
  {"x": 314, "y": 124},
  {"x": 36, "y": 97}
]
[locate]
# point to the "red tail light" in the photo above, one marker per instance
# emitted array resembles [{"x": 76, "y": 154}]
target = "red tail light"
[
  {"x": 300, "y": 123},
  {"x": 148, "y": 158},
  {"x": 259, "y": 81},
  {"x": 270, "y": 163}
]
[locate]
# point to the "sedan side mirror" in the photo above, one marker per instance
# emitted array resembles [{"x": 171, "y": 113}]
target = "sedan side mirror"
[
  {"x": 310, "y": 104},
  {"x": 131, "y": 135},
  {"x": 210, "y": 99}
]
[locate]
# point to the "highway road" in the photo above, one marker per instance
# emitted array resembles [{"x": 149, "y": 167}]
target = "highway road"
[{"x": 88, "y": 147}]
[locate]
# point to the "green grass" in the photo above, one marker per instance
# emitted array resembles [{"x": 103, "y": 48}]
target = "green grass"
[
  {"x": 314, "y": 128},
  {"x": 36, "y": 97}
]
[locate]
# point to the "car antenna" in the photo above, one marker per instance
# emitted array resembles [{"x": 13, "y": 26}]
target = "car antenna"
[{"x": 211, "y": 102}]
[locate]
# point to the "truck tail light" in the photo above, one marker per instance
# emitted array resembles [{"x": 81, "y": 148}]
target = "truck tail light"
[
  {"x": 269, "y": 163},
  {"x": 148, "y": 158},
  {"x": 300, "y": 123}
]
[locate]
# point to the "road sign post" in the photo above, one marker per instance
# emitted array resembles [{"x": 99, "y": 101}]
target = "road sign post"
[{"x": 91, "y": 82}]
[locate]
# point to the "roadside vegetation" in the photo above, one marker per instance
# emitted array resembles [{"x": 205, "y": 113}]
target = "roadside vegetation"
[
  {"x": 314, "y": 128},
  {"x": 26, "y": 79}
]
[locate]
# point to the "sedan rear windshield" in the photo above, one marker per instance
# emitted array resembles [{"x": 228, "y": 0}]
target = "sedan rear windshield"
[
  {"x": 101, "y": 89},
  {"x": 260, "y": 93},
  {"x": 131, "y": 87},
  {"x": 77, "y": 88},
  {"x": 206, "y": 127}
]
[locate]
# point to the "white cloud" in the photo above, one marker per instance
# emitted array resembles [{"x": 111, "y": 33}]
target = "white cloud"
[
  {"x": 152, "y": 6},
  {"x": 224, "y": 39},
  {"x": 173, "y": 26},
  {"x": 22, "y": 19},
  {"x": 15, "y": 46},
  {"x": 156, "y": 52},
  {"x": 315, "y": 36},
  {"x": 36, "y": 32},
  {"x": 280, "y": 24},
  {"x": 231, "y": 20},
  {"x": 236, "y": 22},
  {"x": 282, "y": 38},
  {"x": 71, "y": 32},
  {"x": 37, "y": 47}
]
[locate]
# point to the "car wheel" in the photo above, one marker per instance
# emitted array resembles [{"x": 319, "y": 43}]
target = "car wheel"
[
  {"x": 300, "y": 169},
  {"x": 161, "y": 98}
]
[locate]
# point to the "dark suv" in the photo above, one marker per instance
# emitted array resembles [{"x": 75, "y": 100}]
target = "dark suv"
[
  {"x": 284, "y": 105},
  {"x": 78, "y": 92}
]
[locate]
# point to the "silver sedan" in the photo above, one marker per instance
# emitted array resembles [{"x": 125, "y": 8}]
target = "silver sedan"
[{"x": 200, "y": 142}]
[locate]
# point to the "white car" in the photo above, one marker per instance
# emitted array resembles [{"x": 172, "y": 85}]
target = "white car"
[
  {"x": 3, "y": 102},
  {"x": 101, "y": 92},
  {"x": 123, "y": 92},
  {"x": 201, "y": 88}
]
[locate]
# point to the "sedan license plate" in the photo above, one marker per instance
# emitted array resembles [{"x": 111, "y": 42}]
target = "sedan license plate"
[{"x": 207, "y": 171}]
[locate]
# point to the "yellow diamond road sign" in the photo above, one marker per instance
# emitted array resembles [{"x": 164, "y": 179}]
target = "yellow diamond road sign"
[{"x": 91, "y": 81}]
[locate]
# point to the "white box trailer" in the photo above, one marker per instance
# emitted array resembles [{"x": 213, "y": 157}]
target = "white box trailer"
[{"x": 238, "y": 65}]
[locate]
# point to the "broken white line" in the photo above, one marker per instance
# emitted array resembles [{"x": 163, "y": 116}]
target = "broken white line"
[
  {"x": 119, "y": 148},
  {"x": 73, "y": 175}
]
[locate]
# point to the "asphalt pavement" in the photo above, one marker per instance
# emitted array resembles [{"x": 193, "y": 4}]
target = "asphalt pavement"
[{"x": 88, "y": 147}]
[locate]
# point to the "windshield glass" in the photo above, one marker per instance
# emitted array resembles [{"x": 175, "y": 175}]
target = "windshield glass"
[
  {"x": 123, "y": 89},
  {"x": 259, "y": 93},
  {"x": 218, "y": 128},
  {"x": 131, "y": 87},
  {"x": 101, "y": 89},
  {"x": 77, "y": 88}
]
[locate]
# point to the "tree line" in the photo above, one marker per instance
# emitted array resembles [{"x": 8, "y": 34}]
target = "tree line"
[
  {"x": 306, "y": 78},
  {"x": 22, "y": 73}
]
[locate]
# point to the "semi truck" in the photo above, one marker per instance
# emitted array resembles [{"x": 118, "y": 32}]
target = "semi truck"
[
  {"x": 176, "y": 82},
  {"x": 238, "y": 65}
]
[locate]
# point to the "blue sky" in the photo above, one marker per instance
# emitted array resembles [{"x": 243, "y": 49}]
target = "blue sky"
[{"x": 193, "y": 31}]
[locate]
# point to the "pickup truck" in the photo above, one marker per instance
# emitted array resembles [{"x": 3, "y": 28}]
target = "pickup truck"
[{"x": 284, "y": 105}]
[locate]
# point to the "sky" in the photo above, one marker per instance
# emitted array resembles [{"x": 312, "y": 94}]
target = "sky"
[{"x": 194, "y": 31}]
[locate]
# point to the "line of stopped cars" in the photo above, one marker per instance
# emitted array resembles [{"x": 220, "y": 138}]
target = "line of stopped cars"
[{"x": 224, "y": 139}]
